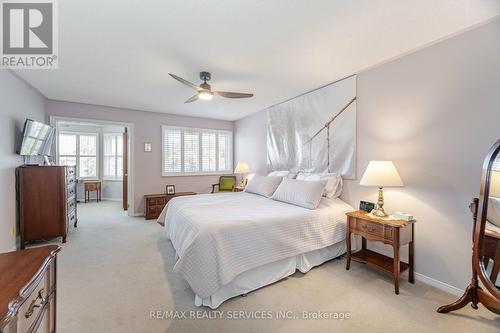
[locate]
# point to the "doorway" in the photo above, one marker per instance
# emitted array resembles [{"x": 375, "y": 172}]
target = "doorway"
[{"x": 100, "y": 151}]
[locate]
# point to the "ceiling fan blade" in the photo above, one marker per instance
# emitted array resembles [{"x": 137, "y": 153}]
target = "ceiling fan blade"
[
  {"x": 228, "y": 94},
  {"x": 187, "y": 83},
  {"x": 192, "y": 99}
]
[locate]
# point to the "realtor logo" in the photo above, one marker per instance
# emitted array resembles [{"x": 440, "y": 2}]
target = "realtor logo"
[{"x": 29, "y": 34}]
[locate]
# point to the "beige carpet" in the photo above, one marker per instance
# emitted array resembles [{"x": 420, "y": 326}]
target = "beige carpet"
[{"x": 115, "y": 270}]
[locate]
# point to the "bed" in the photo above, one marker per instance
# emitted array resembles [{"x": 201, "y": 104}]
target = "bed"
[{"x": 229, "y": 244}]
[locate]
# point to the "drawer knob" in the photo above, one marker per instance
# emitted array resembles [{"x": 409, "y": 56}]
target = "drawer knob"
[{"x": 33, "y": 304}]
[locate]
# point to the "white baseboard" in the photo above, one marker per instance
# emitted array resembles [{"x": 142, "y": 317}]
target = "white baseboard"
[
  {"x": 111, "y": 199},
  {"x": 438, "y": 284}
]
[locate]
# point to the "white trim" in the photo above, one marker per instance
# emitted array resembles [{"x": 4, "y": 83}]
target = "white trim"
[
  {"x": 138, "y": 215},
  {"x": 438, "y": 284},
  {"x": 131, "y": 133},
  {"x": 111, "y": 199}
]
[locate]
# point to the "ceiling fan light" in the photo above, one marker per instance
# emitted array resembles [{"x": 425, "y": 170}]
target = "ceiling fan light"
[{"x": 205, "y": 95}]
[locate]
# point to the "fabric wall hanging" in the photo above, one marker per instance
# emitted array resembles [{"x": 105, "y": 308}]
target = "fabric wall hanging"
[{"x": 301, "y": 135}]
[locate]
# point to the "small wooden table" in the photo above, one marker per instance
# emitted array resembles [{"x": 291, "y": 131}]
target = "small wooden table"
[
  {"x": 154, "y": 203},
  {"x": 393, "y": 232},
  {"x": 90, "y": 186}
]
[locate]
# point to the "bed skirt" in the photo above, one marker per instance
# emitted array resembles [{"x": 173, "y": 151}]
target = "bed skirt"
[{"x": 267, "y": 274}]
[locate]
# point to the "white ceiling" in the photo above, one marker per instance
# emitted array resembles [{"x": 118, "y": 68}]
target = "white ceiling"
[{"x": 118, "y": 52}]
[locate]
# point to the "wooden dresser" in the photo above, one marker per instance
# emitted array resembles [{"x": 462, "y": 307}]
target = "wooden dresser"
[
  {"x": 47, "y": 202},
  {"x": 154, "y": 203},
  {"x": 28, "y": 290}
]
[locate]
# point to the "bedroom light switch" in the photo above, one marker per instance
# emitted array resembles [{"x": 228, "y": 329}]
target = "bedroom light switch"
[{"x": 148, "y": 147}]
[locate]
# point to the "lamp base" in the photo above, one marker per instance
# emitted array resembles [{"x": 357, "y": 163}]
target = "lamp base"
[{"x": 380, "y": 212}]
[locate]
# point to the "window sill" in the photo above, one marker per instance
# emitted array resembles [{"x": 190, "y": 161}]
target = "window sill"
[
  {"x": 113, "y": 179},
  {"x": 197, "y": 174}
]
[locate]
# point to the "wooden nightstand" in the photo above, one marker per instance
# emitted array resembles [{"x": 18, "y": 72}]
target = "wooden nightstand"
[
  {"x": 154, "y": 203},
  {"x": 238, "y": 189},
  {"x": 393, "y": 232}
]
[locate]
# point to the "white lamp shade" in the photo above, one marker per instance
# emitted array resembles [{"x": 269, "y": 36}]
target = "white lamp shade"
[
  {"x": 242, "y": 167},
  {"x": 381, "y": 174},
  {"x": 495, "y": 184}
]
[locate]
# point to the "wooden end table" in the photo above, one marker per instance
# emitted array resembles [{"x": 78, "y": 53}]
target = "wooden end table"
[
  {"x": 393, "y": 232},
  {"x": 154, "y": 203},
  {"x": 90, "y": 186}
]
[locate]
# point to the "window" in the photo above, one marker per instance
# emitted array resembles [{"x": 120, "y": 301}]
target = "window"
[
  {"x": 79, "y": 149},
  {"x": 496, "y": 164},
  {"x": 113, "y": 155},
  {"x": 188, "y": 151}
]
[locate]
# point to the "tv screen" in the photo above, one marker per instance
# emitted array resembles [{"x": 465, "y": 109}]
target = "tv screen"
[{"x": 37, "y": 138}]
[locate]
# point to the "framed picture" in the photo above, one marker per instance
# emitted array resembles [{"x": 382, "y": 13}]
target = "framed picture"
[{"x": 171, "y": 189}]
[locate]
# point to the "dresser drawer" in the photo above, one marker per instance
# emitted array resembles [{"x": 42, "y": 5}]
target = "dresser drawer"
[
  {"x": 70, "y": 171},
  {"x": 71, "y": 217},
  {"x": 71, "y": 190},
  {"x": 70, "y": 181},
  {"x": 71, "y": 204},
  {"x": 375, "y": 229},
  {"x": 37, "y": 303}
]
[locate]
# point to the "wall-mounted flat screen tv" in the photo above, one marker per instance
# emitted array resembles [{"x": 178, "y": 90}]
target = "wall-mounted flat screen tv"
[{"x": 37, "y": 139}]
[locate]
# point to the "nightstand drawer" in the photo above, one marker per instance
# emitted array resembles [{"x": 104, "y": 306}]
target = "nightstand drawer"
[{"x": 375, "y": 229}]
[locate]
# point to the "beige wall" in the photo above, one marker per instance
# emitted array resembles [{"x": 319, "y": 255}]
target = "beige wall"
[
  {"x": 147, "y": 128},
  {"x": 18, "y": 101},
  {"x": 435, "y": 113}
]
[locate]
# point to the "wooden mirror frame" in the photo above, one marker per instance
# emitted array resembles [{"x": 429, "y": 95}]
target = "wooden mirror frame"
[{"x": 474, "y": 293}]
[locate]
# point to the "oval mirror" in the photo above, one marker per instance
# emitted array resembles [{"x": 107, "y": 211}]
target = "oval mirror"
[{"x": 487, "y": 233}]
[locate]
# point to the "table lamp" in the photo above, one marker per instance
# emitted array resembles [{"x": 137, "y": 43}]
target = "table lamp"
[
  {"x": 381, "y": 174},
  {"x": 242, "y": 169}
]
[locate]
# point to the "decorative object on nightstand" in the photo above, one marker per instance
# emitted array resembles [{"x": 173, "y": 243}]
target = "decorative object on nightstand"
[
  {"x": 170, "y": 189},
  {"x": 242, "y": 168},
  {"x": 388, "y": 231},
  {"x": 381, "y": 174},
  {"x": 154, "y": 203},
  {"x": 366, "y": 206}
]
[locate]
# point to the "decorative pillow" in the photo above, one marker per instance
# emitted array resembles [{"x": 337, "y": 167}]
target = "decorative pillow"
[
  {"x": 494, "y": 211},
  {"x": 301, "y": 193},
  {"x": 263, "y": 185},
  {"x": 333, "y": 188}
]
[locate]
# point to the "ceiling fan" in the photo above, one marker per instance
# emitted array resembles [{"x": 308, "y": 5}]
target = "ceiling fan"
[{"x": 204, "y": 90}]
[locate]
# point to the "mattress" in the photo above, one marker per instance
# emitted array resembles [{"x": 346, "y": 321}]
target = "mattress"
[{"x": 219, "y": 236}]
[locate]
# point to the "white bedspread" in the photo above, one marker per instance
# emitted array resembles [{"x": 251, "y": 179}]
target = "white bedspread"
[{"x": 218, "y": 236}]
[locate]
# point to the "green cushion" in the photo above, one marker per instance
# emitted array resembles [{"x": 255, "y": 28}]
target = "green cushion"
[{"x": 226, "y": 183}]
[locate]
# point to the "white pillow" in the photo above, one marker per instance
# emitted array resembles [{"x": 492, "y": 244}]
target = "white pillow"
[
  {"x": 301, "y": 193},
  {"x": 494, "y": 211},
  {"x": 283, "y": 173},
  {"x": 333, "y": 188},
  {"x": 263, "y": 185}
]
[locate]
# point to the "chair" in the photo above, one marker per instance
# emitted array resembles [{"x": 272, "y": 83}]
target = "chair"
[{"x": 226, "y": 184}]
